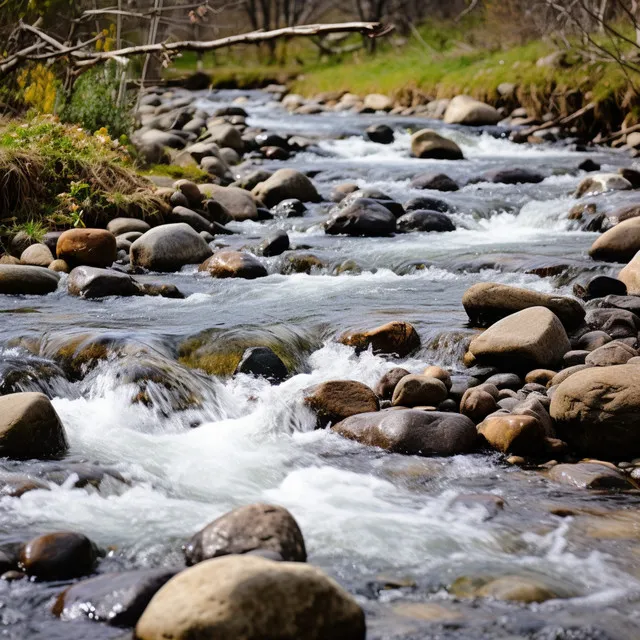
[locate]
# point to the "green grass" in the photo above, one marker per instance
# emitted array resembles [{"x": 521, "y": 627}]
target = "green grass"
[{"x": 194, "y": 174}]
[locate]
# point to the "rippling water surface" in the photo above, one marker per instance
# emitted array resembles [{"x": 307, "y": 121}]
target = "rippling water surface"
[{"x": 367, "y": 516}]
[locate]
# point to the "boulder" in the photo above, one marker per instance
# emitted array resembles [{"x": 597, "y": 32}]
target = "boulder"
[
  {"x": 411, "y": 432},
  {"x": 193, "y": 219},
  {"x": 90, "y": 282},
  {"x": 118, "y": 226},
  {"x": 600, "y": 183},
  {"x": 592, "y": 340},
  {"x": 616, "y": 323},
  {"x": 589, "y": 475},
  {"x": 422, "y": 220},
  {"x": 362, "y": 218},
  {"x": 487, "y": 302},
  {"x": 435, "y": 181},
  {"x": 417, "y": 390},
  {"x": 601, "y": 286},
  {"x": 239, "y": 203},
  {"x": 119, "y": 599},
  {"x": 380, "y": 133},
  {"x": 58, "y": 556},
  {"x": 19, "y": 243},
  {"x": 30, "y": 427},
  {"x": 91, "y": 247},
  {"x": 225, "y": 599},
  {"x": 512, "y": 176},
  {"x": 264, "y": 363},
  {"x": 528, "y": 339},
  {"x": 37, "y": 255},
  {"x": 169, "y": 247},
  {"x": 336, "y": 400},
  {"x": 274, "y": 244},
  {"x": 440, "y": 374},
  {"x": 229, "y": 263},
  {"x": 619, "y": 244},
  {"x": 18, "y": 279},
  {"x": 468, "y": 111},
  {"x": 393, "y": 338},
  {"x": 520, "y": 435},
  {"x": 226, "y": 135},
  {"x": 597, "y": 411},
  {"x": 378, "y": 102},
  {"x": 610, "y": 354},
  {"x": 630, "y": 275},
  {"x": 250, "y": 528},
  {"x": 479, "y": 402},
  {"x": 429, "y": 144},
  {"x": 387, "y": 384},
  {"x": 285, "y": 184}
]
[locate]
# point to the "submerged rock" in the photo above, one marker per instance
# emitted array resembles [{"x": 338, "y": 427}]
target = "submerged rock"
[
  {"x": 435, "y": 181},
  {"x": 26, "y": 280},
  {"x": 225, "y": 599},
  {"x": 412, "y": 432},
  {"x": 228, "y": 263},
  {"x": 393, "y": 338},
  {"x": 30, "y": 427},
  {"x": 589, "y": 475},
  {"x": 255, "y": 527},
  {"x": 263, "y": 362},
  {"x": 336, "y": 400},
  {"x": 425, "y": 221}
]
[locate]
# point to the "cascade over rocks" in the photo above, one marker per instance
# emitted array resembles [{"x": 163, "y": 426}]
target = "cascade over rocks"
[
  {"x": 225, "y": 599},
  {"x": 412, "y": 432},
  {"x": 245, "y": 529}
]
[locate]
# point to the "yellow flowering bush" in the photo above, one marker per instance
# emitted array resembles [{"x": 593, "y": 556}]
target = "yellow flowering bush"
[{"x": 39, "y": 87}]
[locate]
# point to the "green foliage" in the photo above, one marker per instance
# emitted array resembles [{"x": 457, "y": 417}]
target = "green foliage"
[
  {"x": 32, "y": 228},
  {"x": 94, "y": 102},
  {"x": 194, "y": 174}
]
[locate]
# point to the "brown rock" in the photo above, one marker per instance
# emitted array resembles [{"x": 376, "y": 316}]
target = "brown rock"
[
  {"x": 387, "y": 384},
  {"x": 610, "y": 354},
  {"x": 588, "y": 475},
  {"x": 416, "y": 390},
  {"x": 540, "y": 376},
  {"x": 228, "y": 263},
  {"x": 440, "y": 374},
  {"x": 516, "y": 434},
  {"x": 477, "y": 403},
  {"x": 630, "y": 275},
  {"x": 394, "y": 338},
  {"x": 91, "y": 247},
  {"x": 618, "y": 244},
  {"x": 58, "y": 556},
  {"x": 336, "y": 400},
  {"x": 37, "y": 255}
]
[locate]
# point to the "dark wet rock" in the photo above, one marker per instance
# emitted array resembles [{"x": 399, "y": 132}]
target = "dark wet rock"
[
  {"x": 18, "y": 279},
  {"x": 619, "y": 244},
  {"x": 513, "y": 176},
  {"x": 289, "y": 209},
  {"x": 601, "y": 286},
  {"x": 263, "y": 362},
  {"x": 425, "y": 221},
  {"x": 225, "y": 599},
  {"x": 271, "y": 140},
  {"x": 412, "y": 432},
  {"x": 429, "y": 144},
  {"x": 591, "y": 340},
  {"x": 274, "y": 244},
  {"x": 596, "y": 411},
  {"x": 249, "y": 528},
  {"x": 215, "y": 212},
  {"x": 228, "y": 263},
  {"x": 51, "y": 240},
  {"x": 625, "y": 213},
  {"x": 393, "y": 338},
  {"x": 435, "y": 181},
  {"x": 37, "y": 255},
  {"x": 362, "y": 219},
  {"x": 417, "y": 390},
  {"x": 427, "y": 203},
  {"x": 589, "y": 475},
  {"x": 364, "y": 198},
  {"x": 631, "y": 175},
  {"x": 169, "y": 247},
  {"x": 617, "y": 323},
  {"x": 610, "y": 354},
  {"x": 336, "y": 400},
  {"x": 627, "y": 303},
  {"x": 119, "y": 599},
  {"x": 90, "y": 282},
  {"x": 505, "y": 381},
  {"x": 487, "y": 302},
  {"x": 387, "y": 384},
  {"x": 178, "y": 199},
  {"x": 20, "y": 242},
  {"x": 532, "y": 338},
  {"x": 196, "y": 221},
  {"x": 91, "y": 247},
  {"x": 285, "y": 184},
  {"x": 230, "y": 110},
  {"x": 380, "y": 133},
  {"x": 160, "y": 290},
  {"x": 589, "y": 165},
  {"x": 521, "y": 435},
  {"x": 298, "y": 262},
  {"x": 58, "y": 556},
  {"x": 575, "y": 357},
  {"x": 30, "y": 427},
  {"x": 275, "y": 153},
  {"x": 118, "y": 226}
]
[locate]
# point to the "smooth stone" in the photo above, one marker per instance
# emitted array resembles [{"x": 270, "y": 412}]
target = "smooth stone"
[
  {"x": 586, "y": 475},
  {"x": 521, "y": 435},
  {"x": 229, "y": 263},
  {"x": 90, "y": 247},
  {"x": 118, "y": 226},
  {"x": 263, "y": 362},
  {"x": 91, "y": 282},
  {"x": 416, "y": 390},
  {"x": 336, "y": 400},
  {"x": 283, "y": 185},
  {"x": 426, "y": 143},
  {"x": 421, "y": 220},
  {"x": 275, "y": 244},
  {"x": 386, "y": 385},
  {"x": 37, "y": 255},
  {"x": 58, "y": 556},
  {"x": 393, "y": 338},
  {"x": 26, "y": 280}
]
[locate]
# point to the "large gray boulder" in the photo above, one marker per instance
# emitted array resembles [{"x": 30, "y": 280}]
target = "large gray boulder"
[
  {"x": 597, "y": 411},
  {"x": 362, "y": 218},
  {"x": 255, "y": 527},
  {"x": 412, "y": 432},
  {"x": 530, "y": 339},
  {"x": 488, "y": 302},
  {"x": 21, "y": 279},
  {"x": 239, "y": 203},
  {"x": 429, "y": 144},
  {"x": 91, "y": 282},
  {"x": 285, "y": 184},
  {"x": 169, "y": 247},
  {"x": 30, "y": 427},
  {"x": 468, "y": 111},
  {"x": 254, "y": 599}
]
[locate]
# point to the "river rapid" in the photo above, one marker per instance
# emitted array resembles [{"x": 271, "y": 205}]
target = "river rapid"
[{"x": 392, "y": 529}]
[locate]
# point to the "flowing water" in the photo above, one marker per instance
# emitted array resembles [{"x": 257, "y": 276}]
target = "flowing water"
[{"x": 368, "y": 517}]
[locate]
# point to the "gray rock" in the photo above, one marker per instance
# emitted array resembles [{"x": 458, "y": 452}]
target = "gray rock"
[{"x": 26, "y": 280}]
